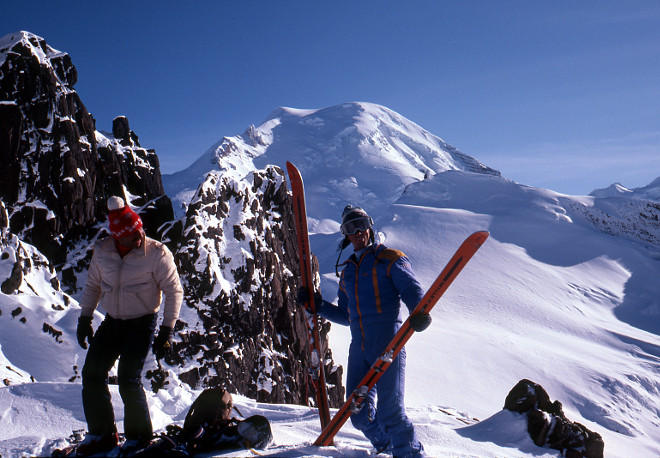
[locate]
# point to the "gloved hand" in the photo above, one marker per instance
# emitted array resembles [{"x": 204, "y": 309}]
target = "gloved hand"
[
  {"x": 303, "y": 297},
  {"x": 84, "y": 331},
  {"x": 162, "y": 342},
  {"x": 420, "y": 321}
]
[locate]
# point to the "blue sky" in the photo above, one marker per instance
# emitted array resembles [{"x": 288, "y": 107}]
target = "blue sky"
[{"x": 557, "y": 94}]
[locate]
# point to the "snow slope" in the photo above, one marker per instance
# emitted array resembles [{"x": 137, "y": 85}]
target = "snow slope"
[{"x": 550, "y": 297}]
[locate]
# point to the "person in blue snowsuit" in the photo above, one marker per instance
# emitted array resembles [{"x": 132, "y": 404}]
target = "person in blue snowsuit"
[{"x": 373, "y": 282}]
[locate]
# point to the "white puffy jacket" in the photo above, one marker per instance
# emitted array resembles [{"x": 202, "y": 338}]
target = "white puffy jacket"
[{"x": 131, "y": 287}]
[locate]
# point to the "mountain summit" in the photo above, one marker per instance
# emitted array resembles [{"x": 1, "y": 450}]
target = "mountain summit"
[{"x": 367, "y": 143}]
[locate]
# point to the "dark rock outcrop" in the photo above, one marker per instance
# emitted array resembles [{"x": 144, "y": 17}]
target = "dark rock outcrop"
[
  {"x": 58, "y": 171},
  {"x": 548, "y": 426},
  {"x": 240, "y": 276}
]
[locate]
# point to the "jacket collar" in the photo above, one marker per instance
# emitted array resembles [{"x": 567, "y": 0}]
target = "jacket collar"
[{"x": 373, "y": 248}]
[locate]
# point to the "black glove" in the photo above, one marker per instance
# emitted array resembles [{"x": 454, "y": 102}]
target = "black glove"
[
  {"x": 84, "y": 331},
  {"x": 420, "y": 321},
  {"x": 162, "y": 342},
  {"x": 303, "y": 297}
]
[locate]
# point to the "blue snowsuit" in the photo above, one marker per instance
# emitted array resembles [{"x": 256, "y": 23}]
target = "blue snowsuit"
[{"x": 372, "y": 284}]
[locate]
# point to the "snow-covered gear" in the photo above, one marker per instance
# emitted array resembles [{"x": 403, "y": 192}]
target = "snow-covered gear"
[
  {"x": 371, "y": 287},
  {"x": 420, "y": 321},
  {"x": 547, "y": 424},
  {"x": 255, "y": 432},
  {"x": 131, "y": 287},
  {"x": 208, "y": 427},
  {"x": 132, "y": 447},
  {"x": 162, "y": 342},
  {"x": 96, "y": 444},
  {"x": 211, "y": 409},
  {"x": 122, "y": 220},
  {"x": 159, "y": 447},
  {"x": 252, "y": 433},
  {"x": 84, "y": 331}
]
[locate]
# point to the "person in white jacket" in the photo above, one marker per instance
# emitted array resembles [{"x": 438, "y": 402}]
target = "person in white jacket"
[{"x": 128, "y": 274}]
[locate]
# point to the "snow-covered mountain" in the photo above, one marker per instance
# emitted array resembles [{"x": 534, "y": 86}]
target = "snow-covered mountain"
[
  {"x": 564, "y": 292},
  {"x": 648, "y": 192},
  {"x": 628, "y": 213},
  {"x": 332, "y": 147}
]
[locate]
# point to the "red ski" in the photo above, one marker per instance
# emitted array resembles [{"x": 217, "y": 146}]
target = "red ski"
[
  {"x": 317, "y": 372},
  {"x": 354, "y": 402}
]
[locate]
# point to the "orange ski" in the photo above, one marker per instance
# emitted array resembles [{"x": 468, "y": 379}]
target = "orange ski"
[{"x": 317, "y": 372}]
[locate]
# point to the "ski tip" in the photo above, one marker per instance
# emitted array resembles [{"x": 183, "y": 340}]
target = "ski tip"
[
  {"x": 480, "y": 236},
  {"x": 292, "y": 170}
]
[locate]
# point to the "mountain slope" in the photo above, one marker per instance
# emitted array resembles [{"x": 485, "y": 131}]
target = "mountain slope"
[
  {"x": 629, "y": 213},
  {"x": 538, "y": 301},
  {"x": 552, "y": 297}
]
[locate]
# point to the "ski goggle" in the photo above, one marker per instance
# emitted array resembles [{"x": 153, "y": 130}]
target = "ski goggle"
[{"x": 360, "y": 224}]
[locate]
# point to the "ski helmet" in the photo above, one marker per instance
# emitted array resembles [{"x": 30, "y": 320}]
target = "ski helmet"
[{"x": 355, "y": 219}]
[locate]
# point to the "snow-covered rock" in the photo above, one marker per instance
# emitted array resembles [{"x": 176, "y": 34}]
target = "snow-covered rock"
[{"x": 58, "y": 171}]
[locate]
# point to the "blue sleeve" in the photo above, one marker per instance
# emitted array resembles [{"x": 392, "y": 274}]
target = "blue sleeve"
[
  {"x": 406, "y": 283},
  {"x": 335, "y": 313}
]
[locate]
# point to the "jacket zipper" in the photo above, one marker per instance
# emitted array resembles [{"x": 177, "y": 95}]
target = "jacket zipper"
[{"x": 119, "y": 283}]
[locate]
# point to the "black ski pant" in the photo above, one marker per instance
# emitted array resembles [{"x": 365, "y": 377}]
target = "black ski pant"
[{"x": 128, "y": 341}]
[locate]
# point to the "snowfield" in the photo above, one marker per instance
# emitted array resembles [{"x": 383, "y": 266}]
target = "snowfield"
[
  {"x": 553, "y": 296},
  {"x": 39, "y": 412}
]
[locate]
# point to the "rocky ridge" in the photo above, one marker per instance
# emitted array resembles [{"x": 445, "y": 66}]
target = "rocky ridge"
[
  {"x": 240, "y": 326},
  {"x": 239, "y": 268},
  {"x": 58, "y": 170}
]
